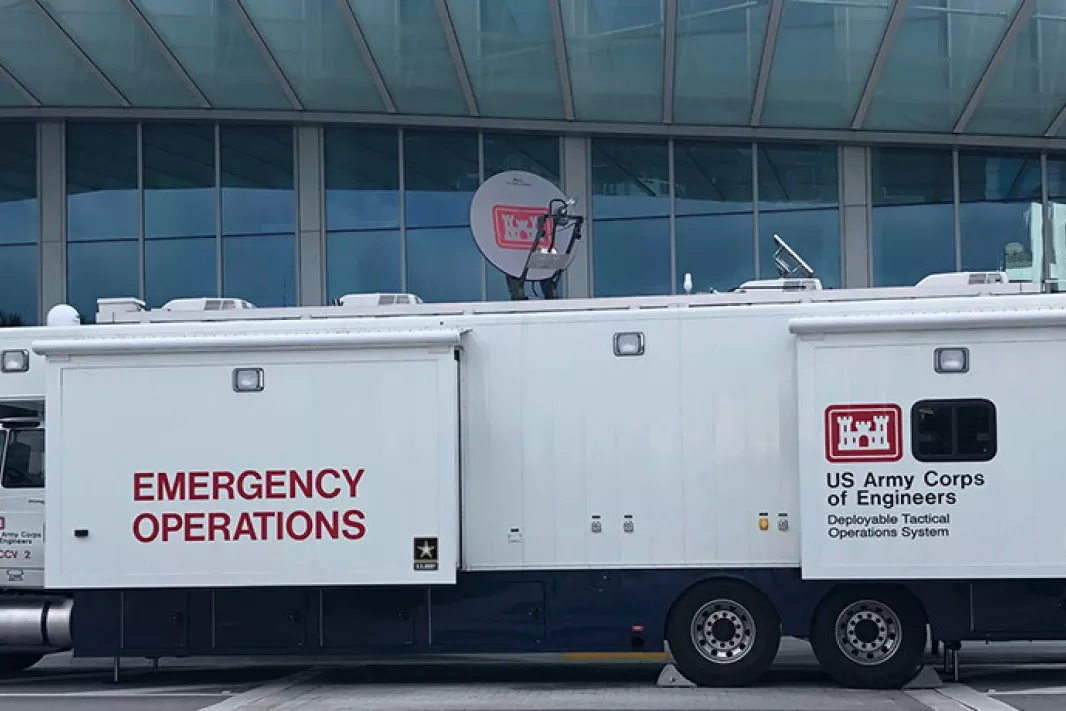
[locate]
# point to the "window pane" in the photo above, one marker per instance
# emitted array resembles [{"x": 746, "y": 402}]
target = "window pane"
[
  {"x": 939, "y": 54},
  {"x": 798, "y": 198},
  {"x": 1056, "y": 192},
  {"x": 630, "y": 210},
  {"x": 18, "y": 283},
  {"x": 408, "y": 43},
  {"x": 441, "y": 176},
  {"x": 976, "y": 431},
  {"x": 614, "y": 50},
  {"x": 363, "y": 262},
  {"x": 913, "y": 215},
  {"x": 822, "y": 60},
  {"x": 260, "y": 269},
  {"x": 18, "y": 184},
  {"x": 443, "y": 265},
  {"x": 209, "y": 40},
  {"x": 362, "y": 178},
  {"x": 179, "y": 180},
  {"x": 110, "y": 34},
  {"x": 999, "y": 212},
  {"x": 102, "y": 181},
  {"x": 534, "y": 154},
  {"x": 719, "y": 45},
  {"x": 312, "y": 43},
  {"x": 715, "y": 223},
  {"x": 933, "y": 431},
  {"x": 24, "y": 463},
  {"x": 257, "y": 180},
  {"x": 179, "y": 268},
  {"x": 509, "y": 53},
  {"x": 101, "y": 270}
]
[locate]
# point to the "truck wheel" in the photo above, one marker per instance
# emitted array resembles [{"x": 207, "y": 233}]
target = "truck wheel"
[
  {"x": 14, "y": 663},
  {"x": 869, "y": 637},
  {"x": 723, "y": 633}
]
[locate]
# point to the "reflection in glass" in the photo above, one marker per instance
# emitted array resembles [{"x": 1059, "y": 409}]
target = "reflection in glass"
[
  {"x": 798, "y": 201},
  {"x": 912, "y": 213},
  {"x": 614, "y": 50},
  {"x": 408, "y": 43},
  {"x": 177, "y": 268},
  {"x": 939, "y": 54},
  {"x": 822, "y": 60},
  {"x": 18, "y": 283},
  {"x": 719, "y": 45},
  {"x": 363, "y": 250},
  {"x": 534, "y": 154},
  {"x": 313, "y": 46},
  {"x": 715, "y": 216},
  {"x": 103, "y": 225},
  {"x": 179, "y": 180},
  {"x": 18, "y": 222},
  {"x": 441, "y": 176},
  {"x": 100, "y": 270},
  {"x": 258, "y": 214},
  {"x": 1056, "y": 193},
  {"x": 630, "y": 211},
  {"x": 209, "y": 40},
  {"x": 510, "y": 56},
  {"x": 260, "y": 269},
  {"x": 110, "y": 34},
  {"x": 1027, "y": 90},
  {"x": 999, "y": 213}
]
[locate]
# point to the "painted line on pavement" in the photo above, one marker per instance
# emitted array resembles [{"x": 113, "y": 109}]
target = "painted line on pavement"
[
  {"x": 966, "y": 698},
  {"x": 264, "y": 692}
]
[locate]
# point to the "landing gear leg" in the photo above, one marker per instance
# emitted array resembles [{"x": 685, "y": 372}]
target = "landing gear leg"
[{"x": 951, "y": 659}]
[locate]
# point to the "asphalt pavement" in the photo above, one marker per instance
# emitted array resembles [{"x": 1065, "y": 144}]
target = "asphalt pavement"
[{"x": 1002, "y": 677}]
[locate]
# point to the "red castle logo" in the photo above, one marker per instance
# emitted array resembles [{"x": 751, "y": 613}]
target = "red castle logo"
[
  {"x": 515, "y": 227},
  {"x": 863, "y": 433}
]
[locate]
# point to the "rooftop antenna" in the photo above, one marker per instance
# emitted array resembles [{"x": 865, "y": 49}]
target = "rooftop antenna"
[
  {"x": 522, "y": 225},
  {"x": 789, "y": 263}
]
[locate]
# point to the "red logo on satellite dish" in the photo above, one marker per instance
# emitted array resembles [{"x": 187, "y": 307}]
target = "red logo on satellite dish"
[
  {"x": 3, "y": 523},
  {"x": 863, "y": 433},
  {"x": 515, "y": 227}
]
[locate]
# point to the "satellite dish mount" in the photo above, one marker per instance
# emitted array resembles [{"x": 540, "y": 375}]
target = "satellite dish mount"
[
  {"x": 523, "y": 226},
  {"x": 789, "y": 263}
]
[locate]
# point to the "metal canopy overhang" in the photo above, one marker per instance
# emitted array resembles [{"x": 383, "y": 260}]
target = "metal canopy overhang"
[{"x": 721, "y": 68}]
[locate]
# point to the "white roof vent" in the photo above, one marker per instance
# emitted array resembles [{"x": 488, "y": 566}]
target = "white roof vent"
[
  {"x": 959, "y": 280},
  {"x": 786, "y": 284},
  {"x": 206, "y": 304},
  {"x": 371, "y": 300}
]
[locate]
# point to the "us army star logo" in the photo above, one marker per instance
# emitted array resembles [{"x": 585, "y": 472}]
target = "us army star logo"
[{"x": 426, "y": 554}]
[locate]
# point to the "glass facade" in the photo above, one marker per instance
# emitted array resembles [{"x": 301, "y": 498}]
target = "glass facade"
[{"x": 166, "y": 209}]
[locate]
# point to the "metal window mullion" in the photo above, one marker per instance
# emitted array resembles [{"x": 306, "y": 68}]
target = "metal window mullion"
[
  {"x": 403, "y": 211},
  {"x": 957, "y": 207},
  {"x": 869, "y": 207},
  {"x": 323, "y": 219},
  {"x": 673, "y": 215},
  {"x": 842, "y": 207},
  {"x": 480, "y": 181},
  {"x": 141, "y": 244},
  {"x": 755, "y": 202},
  {"x": 1044, "y": 276},
  {"x": 218, "y": 210},
  {"x": 297, "y": 188}
]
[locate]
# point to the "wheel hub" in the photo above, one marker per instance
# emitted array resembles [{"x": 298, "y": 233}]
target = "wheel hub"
[
  {"x": 868, "y": 632},
  {"x": 723, "y": 631}
]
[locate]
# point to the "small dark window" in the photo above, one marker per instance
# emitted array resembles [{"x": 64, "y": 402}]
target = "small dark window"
[
  {"x": 23, "y": 460},
  {"x": 953, "y": 430}
]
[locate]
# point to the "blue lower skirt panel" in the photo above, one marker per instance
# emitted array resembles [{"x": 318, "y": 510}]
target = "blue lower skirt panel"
[{"x": 496, "y": 612}]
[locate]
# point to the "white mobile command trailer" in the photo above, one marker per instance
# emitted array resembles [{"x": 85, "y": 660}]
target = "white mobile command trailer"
[{"x": 868, "y": 469}]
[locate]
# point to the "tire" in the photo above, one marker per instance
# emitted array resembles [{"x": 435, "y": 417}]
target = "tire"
[
  {"x": 16, "y": 662},
  {"x": 869, "y": 636},
  {"x": 723, "y": 633}
]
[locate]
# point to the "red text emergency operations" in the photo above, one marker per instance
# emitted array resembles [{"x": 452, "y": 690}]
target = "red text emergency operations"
[{"x": 248, "y": 485}]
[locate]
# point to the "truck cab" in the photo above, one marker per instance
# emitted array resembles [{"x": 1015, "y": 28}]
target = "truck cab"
[{"x": 21, "y": 503}]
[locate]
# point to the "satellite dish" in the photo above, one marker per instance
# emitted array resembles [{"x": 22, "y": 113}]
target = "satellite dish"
[
  {"x": 522, "y": 225},
  {"x": 788, "y": 262}
]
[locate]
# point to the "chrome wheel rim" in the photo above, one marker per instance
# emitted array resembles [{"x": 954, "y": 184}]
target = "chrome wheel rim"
[
  {"x": 723, "y": 631},
  {"x": 868, "y": 632}
]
